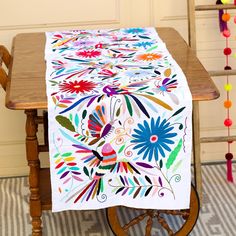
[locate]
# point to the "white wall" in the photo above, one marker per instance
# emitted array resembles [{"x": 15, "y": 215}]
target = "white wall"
[{"x": 33, "y": 16}]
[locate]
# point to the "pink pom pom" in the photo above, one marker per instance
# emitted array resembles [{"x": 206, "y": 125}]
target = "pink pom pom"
[{"x": 226, "y": 33}]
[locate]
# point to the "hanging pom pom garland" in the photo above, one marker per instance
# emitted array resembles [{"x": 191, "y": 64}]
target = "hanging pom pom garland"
[
  {"x": 223, "y": 24},
  {"x": 224, "y": 18}
]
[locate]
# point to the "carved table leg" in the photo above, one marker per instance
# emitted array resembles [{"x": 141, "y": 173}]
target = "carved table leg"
[
  {"x": 197, "y": 150},
  {"x": 34, "y": 164}
]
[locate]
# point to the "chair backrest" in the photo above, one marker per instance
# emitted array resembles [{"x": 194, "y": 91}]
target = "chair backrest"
[{"x": 5, "y": 58}]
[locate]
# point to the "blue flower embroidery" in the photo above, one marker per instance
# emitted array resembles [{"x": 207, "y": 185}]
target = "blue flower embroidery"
[
  {"x": 153, "y": 139},
  {"x": 134, "y": 30},
  {"x": 143, "y": 44}
]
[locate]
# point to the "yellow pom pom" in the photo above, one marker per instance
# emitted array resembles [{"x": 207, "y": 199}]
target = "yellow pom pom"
[
  {"x": 228, "y": 87},
  {"x": 225, "y": 1}
]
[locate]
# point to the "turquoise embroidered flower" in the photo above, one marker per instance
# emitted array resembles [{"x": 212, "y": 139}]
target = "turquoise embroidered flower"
[
  {"x": 135, "y": 30},
  {"x": 143, "y": 44},
  {"x": 153, "y": 139}
]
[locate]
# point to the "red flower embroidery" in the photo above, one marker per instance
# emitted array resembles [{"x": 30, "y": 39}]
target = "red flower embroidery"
[
  {"x": 88, "y": 53},
  {"x": 77, "y": 87}
]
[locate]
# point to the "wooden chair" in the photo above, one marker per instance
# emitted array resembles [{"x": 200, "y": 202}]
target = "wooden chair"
[{"x": 5, "y": 60}]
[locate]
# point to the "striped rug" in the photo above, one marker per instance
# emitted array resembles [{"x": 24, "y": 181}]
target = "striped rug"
[{"x": 217, "y": 216}]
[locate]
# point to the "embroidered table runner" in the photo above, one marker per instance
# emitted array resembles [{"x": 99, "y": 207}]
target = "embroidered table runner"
[{"x": 119, "y": 121}]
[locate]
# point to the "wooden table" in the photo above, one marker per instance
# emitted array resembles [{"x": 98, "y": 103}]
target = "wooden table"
[{"x": 27, "y": 91}]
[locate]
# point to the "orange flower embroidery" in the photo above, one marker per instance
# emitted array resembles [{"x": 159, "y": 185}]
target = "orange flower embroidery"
[{"x": 149, "y": 57}]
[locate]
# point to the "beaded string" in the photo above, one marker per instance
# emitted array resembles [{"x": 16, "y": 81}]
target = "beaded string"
[{"x": 224, "y": 18}]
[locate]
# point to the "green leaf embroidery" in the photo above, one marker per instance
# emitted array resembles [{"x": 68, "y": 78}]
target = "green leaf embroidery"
[
  {"x": 143, "y": 37},
  {"x": 84, "y": 114},
  {"x": 101, "y": 185},
  {"x": 161, "y": 163},
  {"x": 91, "y": 172},
  {"x": 100, "y": 144},
  {"x": 121, "y": 149},
  {"x": 179, "y": 111},
  {"x": 118, "y": 112},
  {"x": 66, "y": 154},
  {"x": 70, "y": 117},
  {"x": 177, "y": 165},
  {"x": 56, "y": 155},
  {"x": 152, "y": 48},
  {"x": 174, "y": 154},
  {"x": 129, "y": 106},
  {"x": 143, "y": 88},
  {"x": 86, "y": 171},
  {"x": 65, "y": 122}
]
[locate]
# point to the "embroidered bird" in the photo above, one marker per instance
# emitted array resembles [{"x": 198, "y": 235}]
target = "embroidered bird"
[{"x": 105, "y": 163}]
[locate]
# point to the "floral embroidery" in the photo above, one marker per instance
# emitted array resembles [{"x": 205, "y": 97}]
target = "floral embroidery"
[
  {"x": 118, "y": 129},
  {"x": 143, "y": 44},
  {"x": 149, "y": 57},
  {"x": 153, "y": 139},
  {"x": 81, "y": 86},
  {"x": 88, "y": 53},
  {"x": 135, "y": 30}
]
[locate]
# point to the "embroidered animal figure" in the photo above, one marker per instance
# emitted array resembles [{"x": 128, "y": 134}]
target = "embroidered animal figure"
[{"x": 106, "y": 162}]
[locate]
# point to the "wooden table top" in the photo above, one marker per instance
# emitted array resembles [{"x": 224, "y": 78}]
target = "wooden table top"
[{"x": 27, "y": 87}]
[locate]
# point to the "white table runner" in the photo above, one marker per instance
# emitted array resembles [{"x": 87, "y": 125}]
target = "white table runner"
[{"x": 120, "y": 129}]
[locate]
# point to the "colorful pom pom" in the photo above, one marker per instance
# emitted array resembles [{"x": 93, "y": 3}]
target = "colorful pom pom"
[
  {"x": 225, "y": 1},
  {"x": 228, "y": 122},
  {"x": 227, "y": 51},
  {"x": 227, "y": 104},
  {"x": 226, "y": 33},
  {"x": 229, "y": 156},
  {"x": 228, "y": 87},
  {"x": 226, "y": 17}
]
